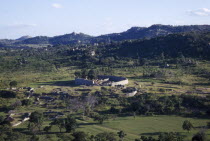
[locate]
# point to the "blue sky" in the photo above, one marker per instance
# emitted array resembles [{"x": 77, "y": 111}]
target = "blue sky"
[{"x": 95, "y": 17}]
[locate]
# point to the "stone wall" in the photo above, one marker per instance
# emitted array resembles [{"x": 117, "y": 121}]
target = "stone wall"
[
  {"x": 111, "y": 78},
  {"x": 117, "y": 80},
  {"x": 131, "y": 94},
  {"x": 123, "y": 82},
  {"x": 114, "y": 80},
  {"x": 81, "y": 81}
]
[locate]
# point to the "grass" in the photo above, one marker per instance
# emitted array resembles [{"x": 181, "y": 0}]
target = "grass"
[
  {"x": 134, "y": 128},
  {"x": 148, "y": 126}
]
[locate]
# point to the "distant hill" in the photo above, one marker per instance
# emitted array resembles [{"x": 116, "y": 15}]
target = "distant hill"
[
  {"x": 73, "y": 38},
  {"x": 192, "y": 44},
  {"x": 130, "y": 34},
  {"x": 6, "y": 42},
  {"x": 23, "y": 38},
  {"x": 154, "y": 31},
  {"x": 36, "y": 40}
]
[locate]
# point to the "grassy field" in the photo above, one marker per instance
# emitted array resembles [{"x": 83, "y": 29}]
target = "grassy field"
[
  {"x": 134, "y": 128},
  {"x": 63, "y": 78}
]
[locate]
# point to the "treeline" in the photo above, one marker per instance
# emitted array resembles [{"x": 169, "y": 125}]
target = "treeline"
[
  {"x": 152, "y": 104},
  {"x": 185, "y": 105}
]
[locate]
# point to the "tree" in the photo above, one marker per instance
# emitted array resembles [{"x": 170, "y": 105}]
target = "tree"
[
  {"x": 16, "y": 104},
  {"x": 60, "y": 123},
  {"x": 135, "y": 107},
  {"x": 17, "y": 136},
  {"x": 81, "y": 136},
  {"x": 84, "y": 73},
  {"x": 187, "y": 125},
  {"x": 74, "y": 104},
  {"x": 171, "y": 136},
  {"x": 4, "y": 129},
  {"x": 101, "y": 118},
  {"x": 13, "y": 84},
  {"x": 78, "y": 74},
  {"x": 7, "y": 134},
  {"x": 26, "y": 102},
  {"x": 92, "y": 74},
  {"x": 200, "y": 136},
  {"x": 105, "y": 136},
  {"x": 121, "y": 135},
  {"x": 90, "y": 103},
  {"x": 1, "y": 119},
  {"x": 32, "y": 128},
  {"x": 144, "y": 138},
  {"x": 37, "y": 119},
  {"x": 48, "y": 137},
  {"x": 65, "y": 137},
  {"x": 47, "y": 129},
  {"x": 70, "y": 124},
  {"x": 34, "y": 138}
]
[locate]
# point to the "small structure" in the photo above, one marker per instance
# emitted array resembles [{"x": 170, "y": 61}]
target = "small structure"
[
  {"x": 92, "y": 53},
  {"x": 53, "y": 115},
  {"x": 9, "y": 119},
  {"x": 12, "y": 112}
]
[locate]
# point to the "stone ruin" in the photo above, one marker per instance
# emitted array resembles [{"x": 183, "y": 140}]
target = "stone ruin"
[{"x": 103, "y": 80}]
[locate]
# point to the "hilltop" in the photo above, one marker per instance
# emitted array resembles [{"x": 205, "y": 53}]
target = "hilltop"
[{"x": 84, "y": 39}]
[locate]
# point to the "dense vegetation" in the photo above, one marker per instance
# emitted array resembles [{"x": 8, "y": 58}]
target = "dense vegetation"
[{"x": 170, "y": 73}]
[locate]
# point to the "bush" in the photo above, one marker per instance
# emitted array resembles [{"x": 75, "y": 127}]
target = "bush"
[
  {"x": 26, "y": 102},
  {"x": 162, "y": 90},
  {"x": 201, "y": 136},
  {"x": 13, "y": 84},
  {"x": 101, "y": 118},
  {"x": 149, "y": 114},
  {"x": 7, "y": 94},
  {"x": 105, "y": 136}
]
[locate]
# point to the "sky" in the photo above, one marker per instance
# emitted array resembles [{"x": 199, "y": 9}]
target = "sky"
[{"x": 95, "y": 17}]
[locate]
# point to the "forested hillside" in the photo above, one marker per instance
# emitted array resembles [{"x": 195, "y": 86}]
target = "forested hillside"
[{"x": 189, "y": 45}]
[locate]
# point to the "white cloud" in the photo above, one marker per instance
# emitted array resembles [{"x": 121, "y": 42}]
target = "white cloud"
[
  {"x": 21, "y": 25},
  {"x": 200, "y": 12},
  {"x": 56, "y": 5}
]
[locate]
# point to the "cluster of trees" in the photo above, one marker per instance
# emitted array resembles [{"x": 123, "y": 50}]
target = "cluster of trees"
[
  {"x": 126, "y": 53},
  {"x": 8, "y": 134},
  {"x": 144, "y": 104},
  {"x": 69, "y": 124},
  {"x": 85, "y": 105},
  {"x": 173, "y": 136},
  {"x": 89, "y": 74},
  {"x": 148, "y": 104},
  {"x": 37, "y": 119},
  {"x": 82, "y": 136}
]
